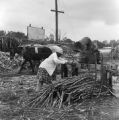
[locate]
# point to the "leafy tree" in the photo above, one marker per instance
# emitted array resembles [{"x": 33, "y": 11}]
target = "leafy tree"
[
  {"x": 105, "y": 42},
  {"x": 18, "y": 35},
  {"x": 2, "y": 33},
  {"x": 113, "y": 43},
  {"x": 99, "y": 44},
  {"x": 68, "y": 41}
]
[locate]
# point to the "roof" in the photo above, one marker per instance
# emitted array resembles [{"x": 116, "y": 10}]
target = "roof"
[{"x": 105, "y": 50}]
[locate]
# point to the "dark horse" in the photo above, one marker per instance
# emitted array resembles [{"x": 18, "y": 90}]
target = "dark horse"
[{"x": 32, "y": 54}]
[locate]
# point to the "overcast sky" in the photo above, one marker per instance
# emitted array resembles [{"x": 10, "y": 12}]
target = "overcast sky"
[{"x": 97, "y": 19}]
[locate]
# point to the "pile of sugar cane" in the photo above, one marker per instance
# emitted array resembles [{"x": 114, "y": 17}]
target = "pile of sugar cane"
[{"x": 67, "y": 91}]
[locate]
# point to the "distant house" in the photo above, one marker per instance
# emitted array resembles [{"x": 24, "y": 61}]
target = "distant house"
[
  {"x": 107, "y": 53},
  {"x": 105, "y": 50}
]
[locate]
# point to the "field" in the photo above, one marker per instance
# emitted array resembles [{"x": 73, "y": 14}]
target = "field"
[{"x": 16, "y": 89}]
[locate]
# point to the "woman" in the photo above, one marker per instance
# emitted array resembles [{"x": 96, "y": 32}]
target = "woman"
[{"x": 48, "y": 66}]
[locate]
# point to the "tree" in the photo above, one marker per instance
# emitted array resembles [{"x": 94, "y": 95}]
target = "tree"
[
  {"x": 18, "y": 35},
  {"x": 113, "y": 43},
  {"x": 68, "y": 40},
  {"x": 105, "y": 42},
  {"x": 99, "y": 44},
  {"x": 2, "y": 33}
]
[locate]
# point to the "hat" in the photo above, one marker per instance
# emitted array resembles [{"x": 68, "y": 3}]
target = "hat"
[{"x": 56, "y": 48}]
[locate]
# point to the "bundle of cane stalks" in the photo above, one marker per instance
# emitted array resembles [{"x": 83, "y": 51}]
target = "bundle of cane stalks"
[{"x": 65, "y": 92}]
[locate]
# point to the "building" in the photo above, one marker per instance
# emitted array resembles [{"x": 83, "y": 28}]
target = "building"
[{"x": 35, "y": 33}]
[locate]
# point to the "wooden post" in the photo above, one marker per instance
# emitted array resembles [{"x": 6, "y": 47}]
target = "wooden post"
[
  {"x": 106, "y": 78},
  {"x": 110, "y": 81},
  {"x": 101, "y": 72},
  {"x": 56, "y": 19},
  {"x": 103, "y": 76},
  {"x": 95, "y": 67}
]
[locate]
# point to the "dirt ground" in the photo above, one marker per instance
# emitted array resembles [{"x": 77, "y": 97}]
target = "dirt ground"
[{"x": 15, "y": 89}]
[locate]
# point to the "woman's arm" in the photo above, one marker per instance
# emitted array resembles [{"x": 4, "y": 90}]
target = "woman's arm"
[{"x": 59, "y": 60}]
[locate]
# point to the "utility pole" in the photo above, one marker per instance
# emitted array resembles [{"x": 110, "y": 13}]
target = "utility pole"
[{"x": 56, "y": 19}]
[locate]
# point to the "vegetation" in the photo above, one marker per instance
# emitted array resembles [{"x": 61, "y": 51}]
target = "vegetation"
[{"x": 50, "y": 40}]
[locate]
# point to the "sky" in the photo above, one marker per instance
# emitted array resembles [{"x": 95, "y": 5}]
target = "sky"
[{"x": 96, "y": 19}]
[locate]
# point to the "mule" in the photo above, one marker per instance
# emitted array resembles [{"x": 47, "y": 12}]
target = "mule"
[{"x": 31, "y": 54}]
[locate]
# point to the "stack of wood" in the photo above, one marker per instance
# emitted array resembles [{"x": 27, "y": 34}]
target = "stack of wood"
[{"x": 67, "y": 91}]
